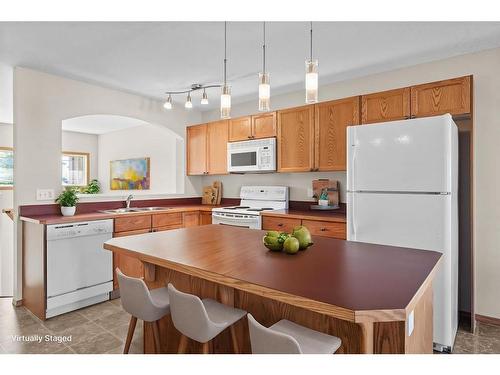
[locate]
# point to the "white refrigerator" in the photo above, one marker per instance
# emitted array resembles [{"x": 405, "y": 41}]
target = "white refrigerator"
[{"x": 402, "y": 181}]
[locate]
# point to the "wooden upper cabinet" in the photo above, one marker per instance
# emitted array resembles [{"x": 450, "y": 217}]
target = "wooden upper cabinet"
[
  {"x": 385, "y": 106},
  {"x": 196, "y": 149},
  {"x": 252, "y": 127},
  {"x": 240, "y": 129},
  {"x": 332, "y": 119},
  {"x": 217, "y": 138},
  {"x": 264, "y": 125},
  {"x": 296, "y": 139},
  {"x": 450, "y": 96}
]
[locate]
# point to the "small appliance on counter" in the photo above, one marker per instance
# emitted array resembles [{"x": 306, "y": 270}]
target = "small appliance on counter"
[
  {"x": 326, "y": 193},
  {"x": 254, "y": 200}
]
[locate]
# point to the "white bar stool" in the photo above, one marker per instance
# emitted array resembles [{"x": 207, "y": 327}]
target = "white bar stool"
[
  {"x": 286, "y": 337},
  {"x": 142, "y": 303},
  {"x": 201, "y": 320}
]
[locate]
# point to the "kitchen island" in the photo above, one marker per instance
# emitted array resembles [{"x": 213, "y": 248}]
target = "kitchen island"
[{"x": 377, "y": 299}]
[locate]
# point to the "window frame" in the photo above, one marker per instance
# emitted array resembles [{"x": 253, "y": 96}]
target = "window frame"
[
  {"x": 8, "y": 187},
  {"x": 87, "y": 167}
]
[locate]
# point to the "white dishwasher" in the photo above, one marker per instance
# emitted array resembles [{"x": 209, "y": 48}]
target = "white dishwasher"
[{"x": 79, "y": 270}]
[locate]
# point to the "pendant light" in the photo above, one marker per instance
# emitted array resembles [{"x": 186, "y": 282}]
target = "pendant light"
[
  {"x": 225, "y": 98},
  {"x": 264, "y": 86},
  {"x": 168, "y": 103},
  {"x": 189, "y": 103},
  {"x": 311, "y": 74},
  {"x": 204, "y": 98}
]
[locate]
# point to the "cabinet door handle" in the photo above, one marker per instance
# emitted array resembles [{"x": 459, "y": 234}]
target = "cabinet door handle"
[
  {"x": 280, "y": 225},
  {"x": 323, "y": 229}
]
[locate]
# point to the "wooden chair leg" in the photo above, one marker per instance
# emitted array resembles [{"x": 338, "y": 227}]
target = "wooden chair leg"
[
  {"x": 130, "y": 334},
  {"x": 156, "y": 334},
  {"x": 234, "y": 340},
  {"x": 182, "y": 344},
  {"x": 205, "y": 347}
]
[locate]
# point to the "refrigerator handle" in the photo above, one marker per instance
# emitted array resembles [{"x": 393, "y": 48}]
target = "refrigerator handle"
[
  {"x": 351, "y": 160},
  {"x": 353, "y": 221}
]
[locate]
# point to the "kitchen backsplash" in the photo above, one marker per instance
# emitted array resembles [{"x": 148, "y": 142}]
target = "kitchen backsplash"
[{"x": 300, "y": 183}]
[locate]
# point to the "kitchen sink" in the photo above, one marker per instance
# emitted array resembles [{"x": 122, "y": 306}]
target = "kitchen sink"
[
  {"x": 142, "y": 209},
  {"x": 133, "y": 209}
]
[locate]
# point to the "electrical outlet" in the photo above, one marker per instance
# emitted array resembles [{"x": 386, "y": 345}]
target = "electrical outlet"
[{"x": 44, "y": 194}]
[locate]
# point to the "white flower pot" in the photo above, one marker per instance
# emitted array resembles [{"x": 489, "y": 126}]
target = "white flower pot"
[{"x": 68, "y": 211}]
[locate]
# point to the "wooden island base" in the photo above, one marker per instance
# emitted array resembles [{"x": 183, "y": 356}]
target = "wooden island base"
[
  {"x": 368, "y": 295},
  {"x": 369, "y": 337}
]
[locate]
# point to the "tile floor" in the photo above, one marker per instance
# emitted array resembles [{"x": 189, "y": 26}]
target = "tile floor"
[
  {"x": 102, "y": 328},
  {"x": 96, "y": 329}
]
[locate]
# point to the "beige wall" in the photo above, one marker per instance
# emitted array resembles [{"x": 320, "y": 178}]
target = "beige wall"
[
  {"x": 6, "y": 227},
  {"x": 81, "y": 142},
  {"x": 41, "y": 102},
  {"x": 485, "y": 68}
]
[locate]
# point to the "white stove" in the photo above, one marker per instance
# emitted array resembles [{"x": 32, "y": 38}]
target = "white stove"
[{"x": 254, "y": 200}]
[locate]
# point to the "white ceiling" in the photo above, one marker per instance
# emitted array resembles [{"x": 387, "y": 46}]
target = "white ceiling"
[
  {"x": 150, "y": 58},
  {"x": 100, "y": 124}
]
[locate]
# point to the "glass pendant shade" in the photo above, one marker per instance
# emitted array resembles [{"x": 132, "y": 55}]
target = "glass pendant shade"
[
  {"x": 204, "y": 98},
  {"x": 225, "y": 102},
  {"x": 189, "y": 103},
  {"x": 311, "y": 81},
  {"x": 168, "y": 103},
  {"x": 264, "y": 92}
]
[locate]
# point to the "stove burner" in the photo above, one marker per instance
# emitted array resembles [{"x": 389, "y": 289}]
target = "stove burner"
[
  {"x": 260, "y": 209},
  {"x": 236, "y": 208}
]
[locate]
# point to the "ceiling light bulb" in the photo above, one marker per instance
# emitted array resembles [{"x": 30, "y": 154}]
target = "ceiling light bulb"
[
  {"x": 264, "y": 92},
  {"x": 168, "y": 103},
  {"x": 311, "y": 81},
  {"x": 204, "y": 98},
  {"x": 189, "y": 103},
  {"x": 225, "y": 102}
]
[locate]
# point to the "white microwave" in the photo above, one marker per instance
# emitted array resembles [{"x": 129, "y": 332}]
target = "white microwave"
[{"x": 256, "y": 155}]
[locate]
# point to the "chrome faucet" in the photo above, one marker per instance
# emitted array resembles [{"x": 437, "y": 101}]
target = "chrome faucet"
[{"x": 129, "y": 198}]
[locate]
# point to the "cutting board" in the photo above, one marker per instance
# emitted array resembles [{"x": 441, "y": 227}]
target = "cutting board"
[
  {"x": 217, "y": 185},
  {"x": 209, "y": 195}
]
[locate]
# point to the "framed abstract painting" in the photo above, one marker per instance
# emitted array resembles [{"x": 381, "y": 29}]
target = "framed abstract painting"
[{"x": 130, "y": 174}]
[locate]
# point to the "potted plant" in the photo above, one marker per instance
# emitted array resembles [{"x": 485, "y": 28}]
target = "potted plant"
[
  {"x": 94, "y": 187},
  {"x": 67, "y": 200}
]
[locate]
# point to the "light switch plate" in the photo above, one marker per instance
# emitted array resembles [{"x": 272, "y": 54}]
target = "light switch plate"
[
  {"x": 411, "y": 322},
  {"x": 44, "y": 194}
]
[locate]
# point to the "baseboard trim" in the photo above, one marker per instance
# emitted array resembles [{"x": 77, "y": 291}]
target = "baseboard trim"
[
  {"x": 487, "y": 319},
  {"x": 17, "y": 303}
]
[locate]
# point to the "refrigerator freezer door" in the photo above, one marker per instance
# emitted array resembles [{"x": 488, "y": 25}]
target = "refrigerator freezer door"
[
  {"x": 420, "y": 221},
  {"x": 405, "y": 156}
]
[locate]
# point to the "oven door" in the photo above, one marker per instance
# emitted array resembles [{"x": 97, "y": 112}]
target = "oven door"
[
  {"x": 245, "y": 221},
  {"x": 243, "y": 160}
]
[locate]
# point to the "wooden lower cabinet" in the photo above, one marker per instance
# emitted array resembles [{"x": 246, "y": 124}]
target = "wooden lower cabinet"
[
  {"x": 191, "y": 219},
  {"x": 132, "y": 223},
  {"x": 163, "y": 220},
  {"x": 316, "y": 227},
  {"x": 279, "y": 223},
  {"x": 166, "y": 227},
  {"x": 326, "y": 228},
  {"x": 128, "y": 265},
  {"x": 205, "y": 217}
]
